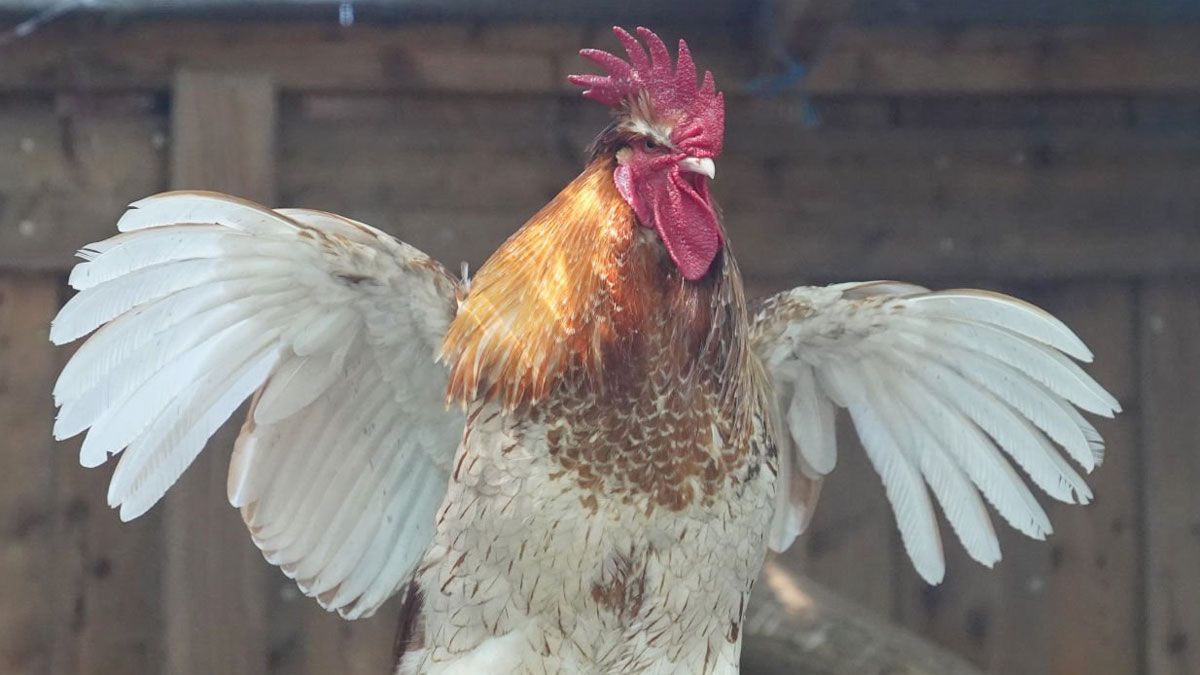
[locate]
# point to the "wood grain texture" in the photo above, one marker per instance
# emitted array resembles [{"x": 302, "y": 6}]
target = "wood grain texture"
[
  {"x": 796, "y": 626},
  {"x": 925, "y": 201},
  {"x": 141, "y": 55},
  {"x": 223, "y": 128},
  {"x": 1170, "y": 355},
  {"x": 465, "y": 10},
  {"x": 456, "y": 57},
  {"x": 70, "y": 568},
  {"x": 107, "y": 597},
  {"x": 988, "y": 59},
  {"x": 1062, "y": 157},
  {"x": 106, "y": 601},
  {"x": 71, "y": 165},
  {"x": 1096, "y": 199},
  {"x": 27, "y": 515},
  {"x": 1094, "y": 592},
  {"x": 315, "y": 642}
]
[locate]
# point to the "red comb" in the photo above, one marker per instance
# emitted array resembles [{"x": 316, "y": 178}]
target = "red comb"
[{"x": 697, "y": 112}]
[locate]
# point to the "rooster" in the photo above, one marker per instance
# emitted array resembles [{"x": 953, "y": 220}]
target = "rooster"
[{"x": 576, "y": 461}]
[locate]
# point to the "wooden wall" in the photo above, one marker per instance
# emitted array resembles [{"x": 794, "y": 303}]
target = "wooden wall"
[{"x": 1061, "y": 163}]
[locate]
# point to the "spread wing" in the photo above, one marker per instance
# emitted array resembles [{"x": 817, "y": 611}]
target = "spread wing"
[
  {"x": 943, "y": 388},
  {"x": 332, "y": 326}
]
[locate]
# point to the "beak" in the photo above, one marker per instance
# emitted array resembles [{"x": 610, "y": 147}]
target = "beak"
[{"x": 701, "y": 165}]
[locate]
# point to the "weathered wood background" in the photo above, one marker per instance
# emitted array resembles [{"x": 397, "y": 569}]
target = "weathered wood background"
[{"x": 1058, "y": 161}]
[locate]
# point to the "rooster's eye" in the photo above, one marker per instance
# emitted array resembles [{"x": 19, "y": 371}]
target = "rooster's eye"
[{"x": 649, "y": 144}]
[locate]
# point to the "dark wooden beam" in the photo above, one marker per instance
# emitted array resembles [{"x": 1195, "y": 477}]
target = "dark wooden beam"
[
  {"x": 1170, "y": 358},
  {"x": 27, "y": 364},
  {"x": 471, "y": 10},
  {"x": 455, "y": 176},
  {"x": 528, "y": 59},
  {"x": 799, "y": 31},
  {"x": 71, "y": 166},
  {"x": 223, "y": 128},
  {"x": 798, "y": 627},
  {"x": 1060, "y": 59}
]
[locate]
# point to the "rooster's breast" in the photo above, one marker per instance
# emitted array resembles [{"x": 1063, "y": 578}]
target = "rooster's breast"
[{"x": 612, "y": 538}]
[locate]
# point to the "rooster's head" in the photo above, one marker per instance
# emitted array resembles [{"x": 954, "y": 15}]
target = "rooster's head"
[{"x": 666, "y": 134}]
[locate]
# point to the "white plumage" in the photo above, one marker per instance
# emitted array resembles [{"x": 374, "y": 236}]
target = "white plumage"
[
  {"x": 204, "y": 300},
  {"x": 937, "y": 385}
]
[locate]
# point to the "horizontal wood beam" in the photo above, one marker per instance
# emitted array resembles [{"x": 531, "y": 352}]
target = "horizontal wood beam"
[
  {"x": 1063, "y": 59},
  {"x": 300, "y": 56},
  {"x": 502, "y": 58},
  {"x": 927, "y": 12},
  {"x": 1167, "y": 331},
  {"x": 69, "y": 168},
  {"x": 798, "y": 31},
  {"x": 824, "y": 203},
  {"x": 27, "y": 364},
  {"x": 223, "y": 132},
  {"x": 795, "y": 625},
  {"x": 832, "y": 202},
  {"x": 474, "y": 10}
]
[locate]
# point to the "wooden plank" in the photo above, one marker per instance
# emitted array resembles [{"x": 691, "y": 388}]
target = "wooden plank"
[
  {"x": 1070, "y": 604},
  {"x": 1167, "y": 112},
  {"x": 795, "y": 626},
  {"x": 828, "y": 203},
  {"x": 1035, "y": 114},
  {"x": 453, "y": 176},
  {"x": 320, "y": 642},
  {"x": 309, "y": 55},
  {"x": 27, "y": 516},
  {"x": 1025, "y": 12},
  {"x": 1117, "y": 58},
  {"x": 389, "y": 10},
  {"x": 223, "y": 127},
  {"x": 790, "y": 32},
  {"x": 106, "y": 604},
  {"x": 952, "y": 203},
  {"x": 1094, "y": 589},
  {"x": 326, "y": 124},
  {"x": 223, "y": 133},
  {"x": 397, "y": 181},
  {"x": 785, "y": 116},
  {"x": 456, "y": 175},
  {"x": 141, "y": 54},
  {"x": 69, "y": 566},
  {"x": 1170, "y": 355},
  {"x": 71, "y": 166}
]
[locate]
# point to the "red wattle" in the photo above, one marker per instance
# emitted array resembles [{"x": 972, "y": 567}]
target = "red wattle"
[{"x": 679, "y": 210}]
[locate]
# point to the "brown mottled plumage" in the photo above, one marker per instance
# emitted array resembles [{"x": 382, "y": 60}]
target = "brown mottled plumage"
[{"x": 585, "y": 299}]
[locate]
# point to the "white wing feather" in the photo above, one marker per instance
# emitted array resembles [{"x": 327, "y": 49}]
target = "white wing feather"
[
  {"x": 205, "y": 299},
  {"x": 940, "y": 386}
]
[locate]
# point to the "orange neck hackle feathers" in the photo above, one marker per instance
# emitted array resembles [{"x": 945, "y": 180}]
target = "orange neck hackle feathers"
[
  {"x": 548, "y": 297},
  {"x": 582, "y": 290},
  {"x": 609, "y": 266}
]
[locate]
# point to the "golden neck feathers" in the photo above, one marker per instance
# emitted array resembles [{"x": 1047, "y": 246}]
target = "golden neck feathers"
[{"x": 577, "y": 290}]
